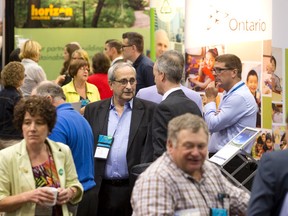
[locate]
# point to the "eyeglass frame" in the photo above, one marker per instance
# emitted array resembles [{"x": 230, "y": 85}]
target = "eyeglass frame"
[
  {"x": 85, "y": 68},
  {"x": 124, "y": 82},
  {"x": 128, "y": 45},
  {"x": 219, "y": 70}
]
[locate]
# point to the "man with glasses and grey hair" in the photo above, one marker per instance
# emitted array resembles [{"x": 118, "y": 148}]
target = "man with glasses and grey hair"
[
  {"x": 237, "y": 108},
  {"x": 120, "y": 126}
]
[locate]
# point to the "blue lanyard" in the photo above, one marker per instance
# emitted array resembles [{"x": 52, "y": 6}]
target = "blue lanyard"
[
  {"x": 238, "y": 87},
  {"x": 231, "y": 92},
  {"x": 234, "y": 90}
]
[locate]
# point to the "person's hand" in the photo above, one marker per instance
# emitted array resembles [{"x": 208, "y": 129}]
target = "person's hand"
[
  {"x": 202, "y": 64},
  {"x": 65, "y": 195},
  {"x": 211, "y": 92},
  {"x": 266, "y": 90},
  {"x": 82, "y": 110},
  {"x": 39, "y": 196},
  {"x": 193, "y": 80},
  {"x": 60, "y": 79}
]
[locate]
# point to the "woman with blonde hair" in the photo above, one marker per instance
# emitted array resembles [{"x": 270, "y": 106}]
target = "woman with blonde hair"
[
  {"x": 81, "y": 54},
  {"x": 34, "y": 73}
]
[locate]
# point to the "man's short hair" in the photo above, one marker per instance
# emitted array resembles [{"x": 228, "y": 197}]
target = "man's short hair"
[
  {"x": 186, "y": 121},
  {"x": 49, "y": 88},
  {"x": 231, "y": 61},
  {"x": 112, "y": 70},
  {"x": 171, "y": 63},
  {"x": 116, "y": 44},
  {"x": 136, "y": 39}
]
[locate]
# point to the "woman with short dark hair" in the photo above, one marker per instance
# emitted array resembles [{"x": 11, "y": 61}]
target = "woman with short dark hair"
[
  {"x": 30, "y": 168},
  {"x": 99, "y": 78}
]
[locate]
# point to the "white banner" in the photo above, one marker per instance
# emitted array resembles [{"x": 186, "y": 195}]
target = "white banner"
[{"x": 210, "y": 22}]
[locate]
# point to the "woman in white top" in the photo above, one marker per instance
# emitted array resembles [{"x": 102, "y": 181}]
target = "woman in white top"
[{"x": 34, "y": 73}]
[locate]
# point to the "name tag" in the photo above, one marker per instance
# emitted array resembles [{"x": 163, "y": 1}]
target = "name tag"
[
  {"x": 218, "y": 212},
  {"x": 103, "y": 146}
]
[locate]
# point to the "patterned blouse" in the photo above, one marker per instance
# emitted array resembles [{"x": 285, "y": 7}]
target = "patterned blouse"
[{"x": 46, "y": 175}]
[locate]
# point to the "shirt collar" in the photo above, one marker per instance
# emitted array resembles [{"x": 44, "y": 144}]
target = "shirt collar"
[
  {"x": 234, "y": 88},
  {"x": 128, "y": 104},
  {"x": 169, "y": 92},
  {"x": 186, "y": 175},
  {"x": 138, "y": 60},
  {"x": 116, "y": 59}
]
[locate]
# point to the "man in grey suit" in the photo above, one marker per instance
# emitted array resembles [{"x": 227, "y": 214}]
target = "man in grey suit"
[
  {"x": 150, "y": 93},
  {"x": 168, "y": 71},
  {"x": 126, "y": 119}
]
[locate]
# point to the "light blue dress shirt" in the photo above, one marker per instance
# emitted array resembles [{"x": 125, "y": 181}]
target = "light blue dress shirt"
[
  {"x": 119, "y": 128},
  {"x": 237, "y": 110}
]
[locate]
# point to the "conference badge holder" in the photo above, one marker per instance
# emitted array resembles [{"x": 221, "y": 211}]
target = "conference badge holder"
[{"x": 103, "y": 146}]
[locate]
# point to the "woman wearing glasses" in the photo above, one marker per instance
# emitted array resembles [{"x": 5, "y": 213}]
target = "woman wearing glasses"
[
  {"x": 30, "y": 168},
  {"x": 79, "y": 90}
]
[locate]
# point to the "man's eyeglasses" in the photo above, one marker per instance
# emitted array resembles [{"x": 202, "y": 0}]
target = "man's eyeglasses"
[
  {"x": 124, "y": 82},
  {"x": 219, "y": 70},
  {"x": 128, "y": 45}
]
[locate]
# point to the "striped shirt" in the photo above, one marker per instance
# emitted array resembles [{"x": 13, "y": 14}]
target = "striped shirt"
[{"x": 164, "y": 189}]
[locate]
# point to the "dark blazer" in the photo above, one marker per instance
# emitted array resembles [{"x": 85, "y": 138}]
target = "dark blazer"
[
  {"x": 97, "y": 115},
  {"x": 270, "y": 184},
  {"x": 177, "y": 103},
  {"x": 9, "y": 97}
]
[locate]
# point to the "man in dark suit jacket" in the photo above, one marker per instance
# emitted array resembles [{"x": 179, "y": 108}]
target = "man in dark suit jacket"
[
  {"x": 132, "y": 50},
  {"x": 168, "y": 71},
  {"x": 269, "y": 194},
  {"x": 127, "y": 119}
]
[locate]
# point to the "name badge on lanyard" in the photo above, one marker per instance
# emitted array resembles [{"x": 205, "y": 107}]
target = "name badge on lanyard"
[{"x": 103, "y": 146}]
